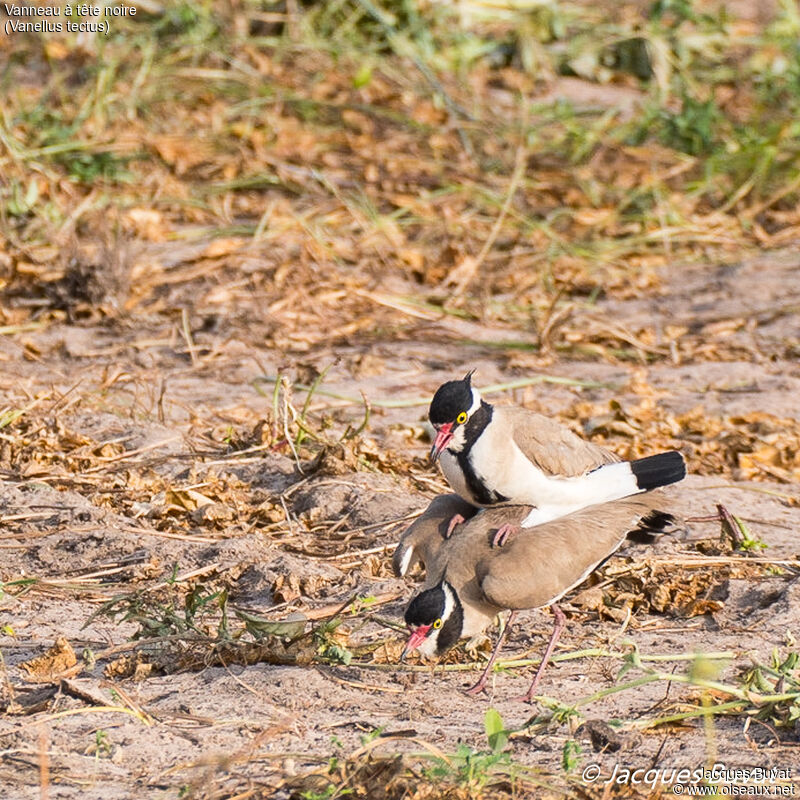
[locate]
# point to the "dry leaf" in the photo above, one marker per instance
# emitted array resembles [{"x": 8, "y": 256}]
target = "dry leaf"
[
  {"x": 182, "y": 152},
  {"x": 222, "y": 247},
  {"x": 58, "y": 659},
  {"x": 145, "y": 223}
]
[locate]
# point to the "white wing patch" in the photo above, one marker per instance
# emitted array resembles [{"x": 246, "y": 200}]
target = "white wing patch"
[{"x": 406, "y": 560}]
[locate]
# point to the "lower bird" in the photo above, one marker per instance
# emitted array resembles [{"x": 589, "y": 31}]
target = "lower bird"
[
  {"x": 493, "y": 456},
  {"x": 469, "y": 581}
]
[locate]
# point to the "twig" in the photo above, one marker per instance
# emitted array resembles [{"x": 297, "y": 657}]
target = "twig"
[
  {"x": 71, "y": 712},
  {"x": 186, "y": 330},
  {"x": 107, "y": 460},
  {"x": 529, "y": 662},
  {"x": 325, "y": 670},
  {"x": 794, "y": 498}
]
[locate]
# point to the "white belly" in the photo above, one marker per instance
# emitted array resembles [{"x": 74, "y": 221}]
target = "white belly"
[{"x": 477, "y": 619}]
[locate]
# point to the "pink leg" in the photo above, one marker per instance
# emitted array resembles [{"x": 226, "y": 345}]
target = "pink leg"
[
  {"x": 559, "y": 623},
  {"x": 481, "y": 684},
  {"x": 455, "y": 521},
  {"x": 502, "y": 534}
]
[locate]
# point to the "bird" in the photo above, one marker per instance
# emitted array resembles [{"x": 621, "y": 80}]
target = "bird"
[
  {"x": 506, "y": 455},
  {"x": 469, "y": 581}
]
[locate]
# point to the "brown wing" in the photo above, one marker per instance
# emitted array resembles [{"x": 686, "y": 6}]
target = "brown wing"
[
  {"x": 551, "y": 446},
  {"x": 540, "y": 564},
  {"x": 424, "y": 537}
]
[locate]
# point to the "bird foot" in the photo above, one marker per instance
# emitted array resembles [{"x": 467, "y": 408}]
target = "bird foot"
[
  {"x": 455, "y": 521},
  {"x": 478, "y": 688},
  {"x": 529, "y": 696},
  {"x": 503, "y": 533}
]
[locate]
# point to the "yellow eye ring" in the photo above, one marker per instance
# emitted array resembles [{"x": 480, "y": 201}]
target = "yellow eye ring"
[
  {"x": 461, "y": 418},
  {"x": 437, "y": 624}
]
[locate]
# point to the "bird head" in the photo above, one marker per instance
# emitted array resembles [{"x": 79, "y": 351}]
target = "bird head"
[
  {"x": 450, "y": 410},
  {"x": 435, "y": 619}
]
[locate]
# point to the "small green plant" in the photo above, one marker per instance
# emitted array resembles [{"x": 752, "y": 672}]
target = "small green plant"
[
  {"x": 680, "y": 10},
  {"x": 102, "y": 744},
  {"x": 570, "y": 755},
  {"x": 90, "y": 166},
  {"x": 693, "y": 129},
  {"x": 173, "y": 576},
  {"x": 21, "y": 200},
  {"x": 475, "y": 768},
  {"x": 330, "y": 792},
  {"x": 197, "y": 601},
  {"x": 496, "y": 733},
  {"x": 749, "y": 541},
  {"x": 328, "y": 646},
  {"x": 8, "y": 416},
  {"x": 371, "y": 736},
  {"x": 88, "y": 657},
  {"x": 470, "y": 768},
  {"x": 560, "y": 712},
  {"x": 159, "y": 614},
  {"x": 192, "y": 21},
  {"x": 781, "y": 682}
]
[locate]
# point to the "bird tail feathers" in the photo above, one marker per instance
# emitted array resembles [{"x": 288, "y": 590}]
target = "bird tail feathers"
[{"x": 661, "y": 469}]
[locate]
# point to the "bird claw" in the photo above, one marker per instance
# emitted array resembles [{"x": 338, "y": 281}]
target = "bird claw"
[
  {"x": 478, "y": 688},
  {"x": 530, "y": 695},
  {"x": 455, "y": 521},
  {"x": 503, "y": 533}
]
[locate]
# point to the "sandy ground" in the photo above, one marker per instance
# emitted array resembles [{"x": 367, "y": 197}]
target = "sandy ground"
[{"x": 215, "y": 730}]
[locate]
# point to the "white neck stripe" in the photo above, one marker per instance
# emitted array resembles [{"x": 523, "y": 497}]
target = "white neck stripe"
[
  {"x": 476, "y": 401},
  {"x": 449, "y": 601}
]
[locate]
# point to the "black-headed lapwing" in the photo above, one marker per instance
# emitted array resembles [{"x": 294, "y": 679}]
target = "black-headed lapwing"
[
  {"x": 505, "y": 455},
  {"x": 469, "y": 581}
]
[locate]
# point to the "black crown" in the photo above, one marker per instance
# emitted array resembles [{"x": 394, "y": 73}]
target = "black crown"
[{"x": 450, "y": 400}]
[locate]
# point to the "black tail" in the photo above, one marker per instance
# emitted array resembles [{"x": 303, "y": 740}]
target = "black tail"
[
  {"x": 653, "y": 525},
  {"x": 657, "y": 521},
  {"x": 659, "y": 470}
]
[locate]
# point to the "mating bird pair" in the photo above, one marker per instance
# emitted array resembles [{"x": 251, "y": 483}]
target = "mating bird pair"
[{"x": 537, "y": 509}]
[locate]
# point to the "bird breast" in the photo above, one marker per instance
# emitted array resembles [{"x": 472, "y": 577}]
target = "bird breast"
[
  {"x": 512, "y": 475},
  {"x": 455, "y": 476}
]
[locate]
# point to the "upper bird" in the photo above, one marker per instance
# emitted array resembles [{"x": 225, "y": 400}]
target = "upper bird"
[{"x": 505, "y": 455}]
